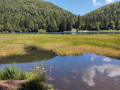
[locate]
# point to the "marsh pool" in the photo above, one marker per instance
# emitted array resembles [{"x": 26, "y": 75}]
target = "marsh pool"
[{"x": 83, "y": 72}]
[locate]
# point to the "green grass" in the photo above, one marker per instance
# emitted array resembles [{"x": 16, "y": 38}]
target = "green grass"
[
  {"x": 99, "y": 40},
  {"x": 11, "y": 72},
  {"x": 61, "y": 44}
]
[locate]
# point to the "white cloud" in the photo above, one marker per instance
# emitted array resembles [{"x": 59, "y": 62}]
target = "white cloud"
[
  {"x": 109, "y": 1},
  {"x": 109, "y": 69},
  {"x": 106, "y": 59},
  {"x": 95, "y": 3}
]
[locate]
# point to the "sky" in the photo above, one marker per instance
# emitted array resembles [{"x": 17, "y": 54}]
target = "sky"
[{"x": 81, "y": 6}]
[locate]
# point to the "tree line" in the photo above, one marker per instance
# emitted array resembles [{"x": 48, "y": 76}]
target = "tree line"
[
  {"x": 105, "y": 18},
  {"x": 32, "y": 15}
]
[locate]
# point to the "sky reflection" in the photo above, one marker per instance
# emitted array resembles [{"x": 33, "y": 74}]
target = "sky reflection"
[{"x": 109, "y": 69}]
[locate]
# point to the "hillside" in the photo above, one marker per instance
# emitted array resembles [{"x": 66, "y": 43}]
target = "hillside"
[
  {"x": 32, "y": 15},
  {"x": 104, "y": 18}
]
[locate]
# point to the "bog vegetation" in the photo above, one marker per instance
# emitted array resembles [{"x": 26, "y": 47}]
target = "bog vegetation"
[
  {"x": 51, "y": 45},
  {"x": 32, "y": 15}
]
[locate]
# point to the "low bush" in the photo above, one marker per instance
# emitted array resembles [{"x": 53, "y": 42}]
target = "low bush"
[
  {"x": 41, "y": 31},
  {"x": 38, "y": 83}
]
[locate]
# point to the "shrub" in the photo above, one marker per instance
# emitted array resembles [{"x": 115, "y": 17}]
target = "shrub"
[
  {"x": 38, "y": 83},
  {"x": 41, "y": 31},
  {"x": 50, "y": 86},
  {"x": 77, "y": 30}
]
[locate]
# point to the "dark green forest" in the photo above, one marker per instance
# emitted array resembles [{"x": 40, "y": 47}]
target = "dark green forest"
[
  {"x": 104, "y": 18},
  {"x": 32, "y": 15}
]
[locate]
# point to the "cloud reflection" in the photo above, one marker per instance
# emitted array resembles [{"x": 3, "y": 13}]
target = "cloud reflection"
[
  {"x": 106, "y": 59},
  {"x": 93, "y": 56},
  {"x": 109, "y": 69}
]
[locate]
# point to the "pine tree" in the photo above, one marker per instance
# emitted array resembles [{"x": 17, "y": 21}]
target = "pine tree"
[
  {"x": 106, "y": 23},
  {"x": 79, "y": 22},
  {"x": 69, "y": 24},
  {"x": 53, "y": 26},
  {"x": 63, "y": 25}
]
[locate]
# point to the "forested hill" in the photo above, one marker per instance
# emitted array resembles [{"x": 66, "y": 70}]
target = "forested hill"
[
  {"x": 104, "y": 18},
  {"x": 32, "y": 15}
]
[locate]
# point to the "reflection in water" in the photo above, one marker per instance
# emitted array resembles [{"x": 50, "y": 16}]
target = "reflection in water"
[
  {"x": 66, "y": 80},
  {"x": 106, "y": 59},
  {"x": 109, "y": 69},
  {"x": 93, "y": 56},
  {"x": 75, "y": 71}
]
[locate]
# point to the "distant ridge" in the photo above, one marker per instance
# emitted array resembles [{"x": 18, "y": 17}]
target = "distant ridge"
[{"x": 104, "y": 18}]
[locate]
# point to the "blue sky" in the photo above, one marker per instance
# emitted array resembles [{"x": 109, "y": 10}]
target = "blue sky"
[{"x": 81, "y": 6}]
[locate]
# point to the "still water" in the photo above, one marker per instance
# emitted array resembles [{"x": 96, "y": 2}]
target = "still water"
[
  {"x": 86, "y": 32},
  {"x": 82, "y": 72}
]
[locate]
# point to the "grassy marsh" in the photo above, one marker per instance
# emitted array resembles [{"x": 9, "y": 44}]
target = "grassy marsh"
[{"x": 103, "y": 44}]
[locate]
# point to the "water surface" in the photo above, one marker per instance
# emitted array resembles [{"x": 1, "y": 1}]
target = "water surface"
[
  {"x": 84, "y": 32},
  {"x": 82, "y": 72}
]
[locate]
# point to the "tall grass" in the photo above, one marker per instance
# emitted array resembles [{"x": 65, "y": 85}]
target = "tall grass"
[
  {"x": 11, "y": 72},
  {"x": 39, "y": 81}
]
